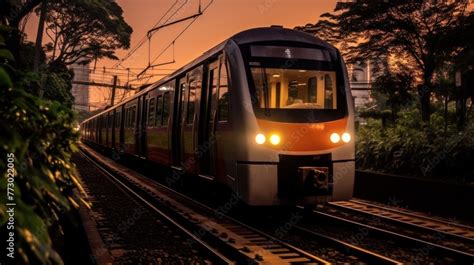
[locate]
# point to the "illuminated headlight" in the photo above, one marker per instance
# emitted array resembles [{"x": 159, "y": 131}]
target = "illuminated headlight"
[
  {"x": 335, "y": 138},
  {"x": 260, "y": 138},
  {"x": 346, "y": 137},
  {"x": 275, "y": 139}
]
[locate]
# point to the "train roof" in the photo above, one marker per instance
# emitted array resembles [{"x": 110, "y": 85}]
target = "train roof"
[
  {"x": 277, "y": 34},
  {"x": 263, "y": 34}
]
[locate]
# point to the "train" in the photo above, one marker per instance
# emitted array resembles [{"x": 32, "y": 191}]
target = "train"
[{"x": 267, "y": 113}]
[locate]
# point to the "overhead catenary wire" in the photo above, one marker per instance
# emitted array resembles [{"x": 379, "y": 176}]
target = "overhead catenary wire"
[
  {"x": 181, "y": 33},
  {"x": 124, "y": 72},
  {"x": 143, "y": 40},
  {"x": 166, "y": 24},
  {"x": 105, "y": 73},
  {"x": 148, "y": 36}
]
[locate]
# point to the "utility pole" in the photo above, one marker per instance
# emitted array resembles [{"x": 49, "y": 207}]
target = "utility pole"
[
  {"x": 39, "y": 36},
  {"x": 114, "y": 87}
]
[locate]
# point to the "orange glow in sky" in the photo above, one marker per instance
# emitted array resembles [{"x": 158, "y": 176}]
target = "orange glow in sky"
[
  {"x": 220, "y": 21},
  {"x": 223, "y": 19}
]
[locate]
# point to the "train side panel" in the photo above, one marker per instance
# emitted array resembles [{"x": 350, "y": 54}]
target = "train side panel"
[{"x": 157, "y": 131}]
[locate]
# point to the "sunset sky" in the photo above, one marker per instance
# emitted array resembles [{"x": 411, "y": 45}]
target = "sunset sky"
[{"x": 221, "y": 20}]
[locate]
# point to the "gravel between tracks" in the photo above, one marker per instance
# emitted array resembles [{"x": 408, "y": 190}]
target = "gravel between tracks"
[
  {"x": 132, "y": 233},
  {"x": 358, "y": 236},
  {"x": 382, "y": 245}
]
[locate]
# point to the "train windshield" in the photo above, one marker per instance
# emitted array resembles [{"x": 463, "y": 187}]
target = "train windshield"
[
  {"x": 295, "y": 84},
  {"x": 294, "y": 88}
]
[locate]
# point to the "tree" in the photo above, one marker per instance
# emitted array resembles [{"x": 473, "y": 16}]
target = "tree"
[
  {"x": 396, "y": 87},
  {"x": 424, "y": 33},
  {"x": 82, "y": 31},
  {"x": 12, "y": 12}
]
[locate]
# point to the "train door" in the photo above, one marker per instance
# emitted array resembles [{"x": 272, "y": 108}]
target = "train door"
[
  {"x": 222, "y": 128},
  {"x": 141, "y": 135},
  {"x": 207, "y": 122},
  {"x": 130, "y": 131},
  {"x": 114, "y": 125},
  {"x": 187, "y": 132},
  {"x": 178, "y": 118},
  {"x": 109, "y": 128},
  {"x": 101, "y": 128},
  {"x": 119, "y": 128}
]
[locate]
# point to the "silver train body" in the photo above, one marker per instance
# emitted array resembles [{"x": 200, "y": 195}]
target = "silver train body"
[{"x": 267, "y": 113}]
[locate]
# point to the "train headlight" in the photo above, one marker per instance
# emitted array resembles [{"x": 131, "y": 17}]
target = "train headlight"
[
  {"x": 275, "y": 139},
  {"x": 335, "y": 138},
  {"x": 260, "y": 138},
  {"x": 346, "y": 137}
]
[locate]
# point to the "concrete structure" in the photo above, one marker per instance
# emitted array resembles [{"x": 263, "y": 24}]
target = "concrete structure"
[
  {"x": 361, "y": 77},
  {"x": 81, "y": 92}
]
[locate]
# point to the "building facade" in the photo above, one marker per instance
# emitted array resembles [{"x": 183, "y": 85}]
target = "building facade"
[{"x": 80, "y": 92}]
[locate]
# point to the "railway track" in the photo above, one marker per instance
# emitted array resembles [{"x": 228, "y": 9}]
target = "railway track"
[
  {"x": 432, "y": 234},
  {"x": 220, "y": 233},
  {"x": 214, "y": 255},
  {"x": 364, "y": 255},
  {"x": 227, "y": 240},
  {"x": 452, "y": 229}
]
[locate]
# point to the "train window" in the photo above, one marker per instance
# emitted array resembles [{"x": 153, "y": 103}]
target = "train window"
[
  {"x": 182, "y": 93},
  {"x": 151, "y": 112},
  {"x": 134, "y": 115},
  {"x": 129, "y": 117},
  {"x": 223, "y": 101},
  {"x": 312, "y": 88},
  {"x": 159, "y": 107},
  {"x": 328, "y": 93},
  {"x": 166, "y": 107},
  {"x": 300, "y": 88},
  {"x": 125, "y": 122},
  {"x": 111, "y": 120},
  {"x": 213, "y": 88},
  {"x": 117, "y": 119},
  {"x": 191, "y": 101}
]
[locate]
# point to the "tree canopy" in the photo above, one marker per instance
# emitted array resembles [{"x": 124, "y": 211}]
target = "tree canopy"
[
  {"x": 425, "y": 34},
  {"x": 82, "y": 31},
  {"x": 13, "y": 11}
]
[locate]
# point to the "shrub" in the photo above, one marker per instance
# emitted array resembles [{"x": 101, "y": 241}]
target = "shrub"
[
  {"x": 41, "y": 136},
  {"x": 410, "y": 147}
]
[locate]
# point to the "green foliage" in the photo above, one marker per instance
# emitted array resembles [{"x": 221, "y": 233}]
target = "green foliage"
[
  {"x": 82, "y": 31},
  {"x": 58, "y": 86},
  {"x": 397, "y": 88},
  {"x": 41, "y": 135},
  {"x": 411, "y": 147},
  {"x": 375, "y": 114}
]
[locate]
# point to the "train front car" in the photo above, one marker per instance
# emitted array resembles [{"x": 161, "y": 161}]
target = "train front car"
[{"x": 293, "y": 118}]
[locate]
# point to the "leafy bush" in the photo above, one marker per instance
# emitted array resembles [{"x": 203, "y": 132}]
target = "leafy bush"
[
  {"x": 410, "y": 147},
  {"x": 41, "y": 135}
]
